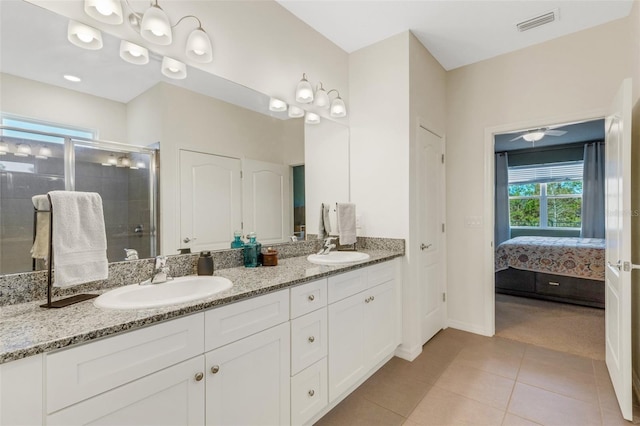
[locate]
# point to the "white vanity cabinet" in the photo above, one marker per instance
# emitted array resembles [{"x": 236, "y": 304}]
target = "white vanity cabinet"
[
  {"x": 248, "y": 379},
  {"x": 362, "y": 326}
]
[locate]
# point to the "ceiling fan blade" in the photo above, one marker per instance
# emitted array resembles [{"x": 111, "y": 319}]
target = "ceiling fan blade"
[
  {"x": 555, "y": 132},
  {"x": 515, "y": 139}
]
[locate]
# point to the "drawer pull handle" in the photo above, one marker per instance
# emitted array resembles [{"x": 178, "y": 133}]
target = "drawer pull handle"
[
  {"x": 312, "y": 392},
  {"x": 311, "y": 298},
  {"x": 199, "y": 376},
  {"x": 367, "y": 300},
  {"x": 215, "y": 369},
  {"x": 373, "y": 298},
  {"x": 554, "y": 283},
  {"x": 312, "y": 339}
]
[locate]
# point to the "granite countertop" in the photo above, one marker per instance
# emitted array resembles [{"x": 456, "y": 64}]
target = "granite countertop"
[{"x": 27, "y": 329}]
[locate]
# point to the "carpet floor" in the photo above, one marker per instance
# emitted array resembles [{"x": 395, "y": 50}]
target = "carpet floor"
[{"x": 562, "y": 327}]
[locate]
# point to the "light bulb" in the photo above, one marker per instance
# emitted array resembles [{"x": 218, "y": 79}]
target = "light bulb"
[
  {"x": 85, "y": 37},
  {"x": 304, "y": 91},
  {"x": 277, "y": 105}
]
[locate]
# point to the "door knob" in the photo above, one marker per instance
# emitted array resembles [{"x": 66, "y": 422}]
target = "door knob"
[
  {"x": 312, "y": 339},
  {"x": 424, "y": 247}
]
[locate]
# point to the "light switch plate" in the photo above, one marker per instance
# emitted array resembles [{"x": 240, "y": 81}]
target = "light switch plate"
[{"x": 473, "y": 221}]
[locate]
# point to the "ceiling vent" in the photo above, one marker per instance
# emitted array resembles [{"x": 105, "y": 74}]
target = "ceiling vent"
[{"x": 545, "y": 18}]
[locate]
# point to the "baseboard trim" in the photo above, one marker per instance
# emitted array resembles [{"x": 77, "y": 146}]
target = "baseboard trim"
[
  {"x": 408, "y": 354},
  {"x": 471, "y": 328},
  {"x": 635, "y": 383}
]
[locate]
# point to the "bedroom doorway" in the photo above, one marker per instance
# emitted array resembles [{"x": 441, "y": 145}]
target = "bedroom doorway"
[{"x": 549, "y": 281}]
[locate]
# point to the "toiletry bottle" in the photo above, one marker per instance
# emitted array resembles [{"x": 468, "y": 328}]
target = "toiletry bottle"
[
  {"x": 250, "y": 252},
  {"x": 258, "y": 250},
  {"x": 237, "y": 241},
  {"x": 205, "y": 263}
]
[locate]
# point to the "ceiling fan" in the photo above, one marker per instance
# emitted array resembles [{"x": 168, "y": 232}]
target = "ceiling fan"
[{"x": 535, "y": 135}]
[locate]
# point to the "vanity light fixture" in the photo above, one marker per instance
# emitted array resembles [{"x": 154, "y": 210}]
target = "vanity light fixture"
[
  {"x": 133, "y": 53},
  {"x": 4, "y": 148},
  {"x": 199, "y": 45},
  {"x": 111, "y": 161},
  {"x": 312, "y": 118},
  {"x": 173, "y": 69},
  {"x": 123, "y": 162},
  {"x": 22, "y": 150},
  {"x": 84, "y": 36},
  {"x": 277, "y": 105},
  {"x": 295, "y": 112},
  {"x": 44, "y": 153},
  {"x": 321, "y": 98},
  {"x": 304, "y": 91},
  {"x": 107, "y": 11},
  {"x": 140, "y": 165},
  {"x": 338, "y": 108},
  {"x": 155, "y": 26}
]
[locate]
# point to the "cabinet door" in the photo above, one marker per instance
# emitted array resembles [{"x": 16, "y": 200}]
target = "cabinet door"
[
  {"x": 346, "y": 343},
  {"x": 379, "y": 323},
  {"x": 248, "y": 380},
  {"x": 172, "y": 396}
]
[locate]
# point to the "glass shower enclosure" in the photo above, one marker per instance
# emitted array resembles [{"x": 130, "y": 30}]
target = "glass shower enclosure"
[{"x": 34, "y": 162}]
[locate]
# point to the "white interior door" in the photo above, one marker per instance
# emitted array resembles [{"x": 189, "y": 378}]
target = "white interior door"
[
  {"x": 618, "y": 247},
  {"x": 210, "y": 200},
  {"x": 430, "y": 243},
  {"x": 266, "y": 195}
]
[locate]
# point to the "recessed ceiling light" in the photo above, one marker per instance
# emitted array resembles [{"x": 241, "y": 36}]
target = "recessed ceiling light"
[{"x": 73, "y": 78}]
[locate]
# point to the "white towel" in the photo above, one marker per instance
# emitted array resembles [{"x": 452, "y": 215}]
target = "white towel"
[
  {"x": 79, "y": 238},
  {"x": 40, "y": 249},
  {"x": 324, "y": 228},
  {"x": 347, "y": 223}
]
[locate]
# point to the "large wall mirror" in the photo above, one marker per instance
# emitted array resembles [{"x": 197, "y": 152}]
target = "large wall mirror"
[{"x": 209, "y": 131}]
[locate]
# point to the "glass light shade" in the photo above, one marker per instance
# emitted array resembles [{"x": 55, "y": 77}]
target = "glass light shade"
[
  {"x": 155, "y": 26},
  {"x": 321, "y": 99},
  {"x": 295, "y": 112},
  {"x": 304, "y": 91},
  {"x": 533, "y": 136},
  {"x": 338, "y": 108},
  {"x": 22, "y": 150},
  {"x": 140, "y": 165},
  {"x": 133, "y": 53},
  {"x": 173, "y": 69},
  {"x": 277, "y": 105},
  {"x": 199, "y": 46},
  {"x": 312, "y": 118},
  {"x": 4, "y": 148},
  {"x": 107, "y": 11},
  {"x": 44, "y": 153},
  {"x": 84, "y": 36},
  {"x": 123, "y": 162}
]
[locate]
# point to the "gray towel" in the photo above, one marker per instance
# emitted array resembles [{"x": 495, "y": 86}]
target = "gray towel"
[
  {"x": 347, "y": 223},
  {"x": 324, "y": 228}
]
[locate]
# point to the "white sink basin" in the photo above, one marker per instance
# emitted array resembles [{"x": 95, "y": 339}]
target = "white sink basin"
[
  {"x": 176, "y": 291},
  {"x": 337, "y": 257}
]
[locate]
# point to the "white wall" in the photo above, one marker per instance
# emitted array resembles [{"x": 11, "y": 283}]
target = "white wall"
[
  {"x": 379, "y": 122},
  {"x": 32, "y": 99},
  {"x": 574, "y": 76}
]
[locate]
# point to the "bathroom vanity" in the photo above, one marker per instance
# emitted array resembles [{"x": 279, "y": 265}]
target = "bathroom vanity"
[{"x": 284, "y": 354}]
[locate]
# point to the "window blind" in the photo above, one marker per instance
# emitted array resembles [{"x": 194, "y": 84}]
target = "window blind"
[{"x": 552, "y": 172}]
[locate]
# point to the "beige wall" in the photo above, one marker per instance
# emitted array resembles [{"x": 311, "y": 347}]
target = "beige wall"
[
  {"x": 575, "y": 76},
  {"x": 32, "y": 99}
]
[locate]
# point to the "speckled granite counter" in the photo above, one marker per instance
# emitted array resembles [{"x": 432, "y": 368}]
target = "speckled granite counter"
[{"x": 26, "y": 329}]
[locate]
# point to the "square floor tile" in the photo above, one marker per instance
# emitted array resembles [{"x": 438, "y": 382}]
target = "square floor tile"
[
  {"x": 355, "y": 410},
  {"x": 396, "y": 393}
]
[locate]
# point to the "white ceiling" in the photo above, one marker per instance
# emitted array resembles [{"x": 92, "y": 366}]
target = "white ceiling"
[{"x": 456, "y": 32}]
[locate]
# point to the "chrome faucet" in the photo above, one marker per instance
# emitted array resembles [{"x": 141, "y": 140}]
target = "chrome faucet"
[
  {"x": 131, "y": 254},
  {"x": 160, "y": 272},
  {"x": 328, "y": 245}
]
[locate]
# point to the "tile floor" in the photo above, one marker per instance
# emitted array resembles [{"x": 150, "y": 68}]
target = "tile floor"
[{"x": 462, "y": 378}]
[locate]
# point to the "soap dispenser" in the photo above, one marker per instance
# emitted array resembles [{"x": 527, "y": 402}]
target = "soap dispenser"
[
  {"x": 205, "y": 263},
  {"x": 237, "y": 240},
  {"x": 251, "y": 252}
]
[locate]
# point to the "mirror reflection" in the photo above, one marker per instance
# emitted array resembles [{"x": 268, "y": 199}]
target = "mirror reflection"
[{"x": 199, "y": 122}]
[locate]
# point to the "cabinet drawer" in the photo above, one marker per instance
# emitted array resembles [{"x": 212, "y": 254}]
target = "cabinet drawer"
[
  {"x": 309, "y": 392},
  {"x": 515, "y": 279},
  {"x": 308, "y": 297},
  {"x": 308, "y": 340},
  {"x": 345, "y": 285},
  {"x": 233, "y": 322},
  {"x": 380, "y": 273},
  {"x": 556, "y": 286},
  {"x": 79, "y": 373},
  {"x": 171, "y": 396}
]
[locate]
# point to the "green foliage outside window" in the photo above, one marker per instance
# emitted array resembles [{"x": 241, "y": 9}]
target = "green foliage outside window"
[{"x": 559, "y": 202}]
